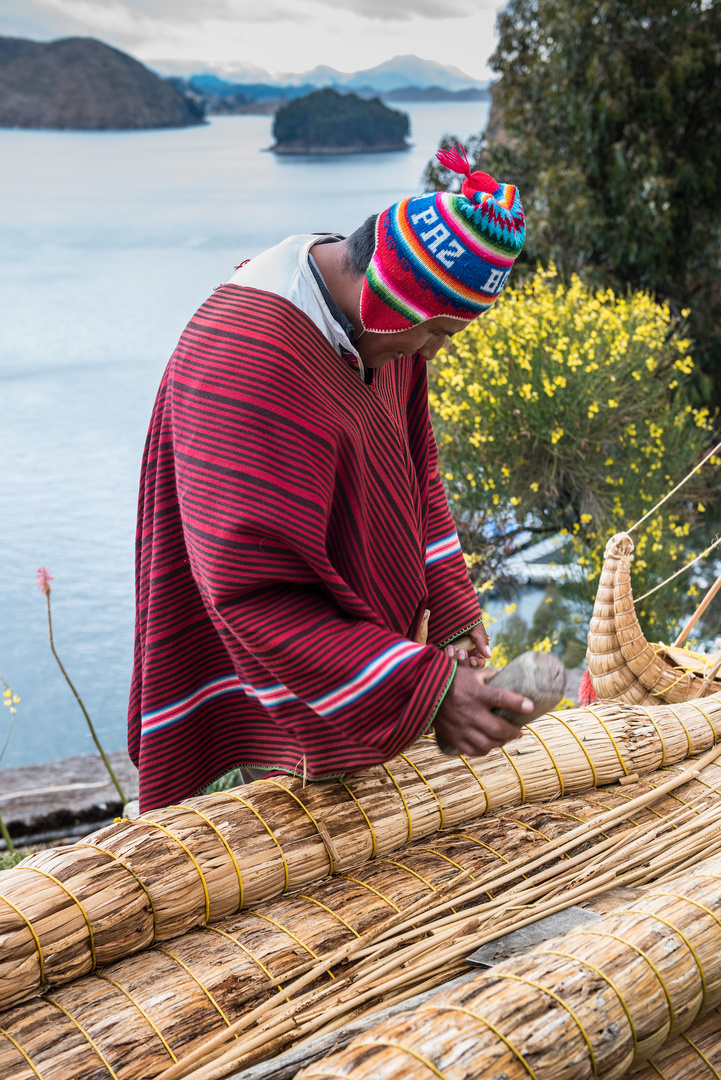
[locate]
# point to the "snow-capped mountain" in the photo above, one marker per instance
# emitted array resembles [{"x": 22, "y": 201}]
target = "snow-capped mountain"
[{"x": 398, "y": 73}]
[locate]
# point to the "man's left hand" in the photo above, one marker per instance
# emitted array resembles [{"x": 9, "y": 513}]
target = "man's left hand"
[{"x": 474, "y": 655}]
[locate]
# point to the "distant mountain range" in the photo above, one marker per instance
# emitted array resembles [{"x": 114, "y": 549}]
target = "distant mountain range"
[
  {"x": 397, "y": 74},
  {"x": 82, "y": 83},
  {"x": 403, "y": 79},
  {"x": 216, "y": 96}
]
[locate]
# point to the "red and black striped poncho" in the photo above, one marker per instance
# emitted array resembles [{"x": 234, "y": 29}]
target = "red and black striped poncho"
[{"x": 292, "y": 529}]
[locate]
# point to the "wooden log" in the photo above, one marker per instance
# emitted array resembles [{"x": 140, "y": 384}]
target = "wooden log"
[
  {"x": 172, "y": 870},
  {"x": 133, "y": 1018}
]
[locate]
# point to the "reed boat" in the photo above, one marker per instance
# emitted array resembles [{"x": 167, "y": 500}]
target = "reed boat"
[{"x": 622, "y": 664}]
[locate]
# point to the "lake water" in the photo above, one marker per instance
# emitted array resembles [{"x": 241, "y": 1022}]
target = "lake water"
[{"x": 109, "y": 242}]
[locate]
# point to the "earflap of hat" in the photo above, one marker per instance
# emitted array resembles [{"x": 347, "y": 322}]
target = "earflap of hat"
[
  {"x": 382, "y": 309},
  {"x": 378, "y": 316}
]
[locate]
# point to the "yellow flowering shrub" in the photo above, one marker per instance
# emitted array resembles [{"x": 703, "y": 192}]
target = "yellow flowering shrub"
[{"x": 565, "y": 410}]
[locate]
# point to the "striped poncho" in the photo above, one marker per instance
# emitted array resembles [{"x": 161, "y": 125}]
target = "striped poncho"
[{"x": 292, "y": 529}]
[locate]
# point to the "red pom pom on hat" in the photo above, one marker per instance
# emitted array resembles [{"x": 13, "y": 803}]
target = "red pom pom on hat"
[{"x": 456, "y": 160}]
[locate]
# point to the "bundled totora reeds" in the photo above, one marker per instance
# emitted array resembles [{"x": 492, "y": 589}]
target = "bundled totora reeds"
[
  {"x": 65, "y": 912},
  {"x": 360, "y": 939},
  {"x": 695, "y": 1055},
  {"x": 588, "y": 1004}
]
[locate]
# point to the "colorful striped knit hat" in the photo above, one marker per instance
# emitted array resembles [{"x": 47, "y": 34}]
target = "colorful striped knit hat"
[{"x": 442, "y": 254}]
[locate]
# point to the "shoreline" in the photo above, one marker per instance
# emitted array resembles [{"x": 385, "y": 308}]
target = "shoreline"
[
  {"x": 68, "y": 797},
  {"x": 298, "y": 149}
]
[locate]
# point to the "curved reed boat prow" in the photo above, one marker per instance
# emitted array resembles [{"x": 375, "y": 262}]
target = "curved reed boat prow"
[{"x": 621, "y": 662}]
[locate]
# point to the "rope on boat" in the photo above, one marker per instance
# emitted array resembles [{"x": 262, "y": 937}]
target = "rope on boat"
[{"x": 683, "y": 569}]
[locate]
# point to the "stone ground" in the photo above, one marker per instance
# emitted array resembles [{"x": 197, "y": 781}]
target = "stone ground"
[{"x": 63, "y": 799}]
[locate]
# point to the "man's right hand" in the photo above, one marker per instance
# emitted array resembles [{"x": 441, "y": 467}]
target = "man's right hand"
[{"x": 464, "y": 719}]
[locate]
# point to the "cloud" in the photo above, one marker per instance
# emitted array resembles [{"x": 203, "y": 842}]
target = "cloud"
[
  {"x": 132, "y": 22},
  {"x": 403, "y": 10},
  {"x": 279, "y": 35}
]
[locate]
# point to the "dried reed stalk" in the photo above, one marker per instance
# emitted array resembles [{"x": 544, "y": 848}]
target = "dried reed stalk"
[
  {"x": 621, "y": 662},
  {"x": 64, "y": 912},
  {"x": 140, "y": 1014}
]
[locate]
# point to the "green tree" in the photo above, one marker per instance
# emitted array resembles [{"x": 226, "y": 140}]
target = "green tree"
[
  {"x": 565, "y": 410},
  {"x": 611, "y": 127}
]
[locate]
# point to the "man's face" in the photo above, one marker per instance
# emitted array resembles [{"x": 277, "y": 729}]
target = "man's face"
[{"x": 426, "y": 338}]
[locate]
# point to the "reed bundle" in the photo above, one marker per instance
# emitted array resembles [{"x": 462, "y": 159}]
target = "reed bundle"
[
  {"x": 588, "y": 1004},
  {"x": 695, "y": 1055},
  {"x": 65, "y": 912},
  {"x": 621, "y": 662},
  {"x": 385, "y": 932}
]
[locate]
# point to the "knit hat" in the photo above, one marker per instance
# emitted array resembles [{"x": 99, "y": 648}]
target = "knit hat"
[{"x": 442, "y": 253}]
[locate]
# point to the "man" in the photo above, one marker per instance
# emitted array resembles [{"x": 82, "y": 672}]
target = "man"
[{"x": 293, "y": 528}]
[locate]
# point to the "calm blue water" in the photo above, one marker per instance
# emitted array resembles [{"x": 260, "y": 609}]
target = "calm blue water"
[{"x": 108, "y": 244}]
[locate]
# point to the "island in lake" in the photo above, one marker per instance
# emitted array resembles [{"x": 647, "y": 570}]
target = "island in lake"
[
  {"x": 83, "y": 84},
  {"x": 327, "y": 122}
]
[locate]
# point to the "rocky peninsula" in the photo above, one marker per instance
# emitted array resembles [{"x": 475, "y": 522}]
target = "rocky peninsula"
[
  {"x": 81, "y": 84},
  {"x": 327, "y": 122}
]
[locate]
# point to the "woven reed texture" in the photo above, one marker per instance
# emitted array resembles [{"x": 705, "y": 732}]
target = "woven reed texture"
[
  {"x": 65, "y": 912},
  {"x": 588, "y": 1004},
  {"x": 621, "y": 662},
  {"x": 132, "y": 1019},
  {"x": 695, "y": 1055}
]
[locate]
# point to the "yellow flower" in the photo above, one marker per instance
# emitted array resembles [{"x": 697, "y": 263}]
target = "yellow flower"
[
  {"x": 586, "y": 518},
  {"x": 534, "y": 486},
  {"x": 556, "y": 434},
  {"x": 612, "y": 403}
]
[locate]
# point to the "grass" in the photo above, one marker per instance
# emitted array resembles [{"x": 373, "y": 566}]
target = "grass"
[
  {"x": 227, "y": 780},
  {"x": 8, "y": 860}
]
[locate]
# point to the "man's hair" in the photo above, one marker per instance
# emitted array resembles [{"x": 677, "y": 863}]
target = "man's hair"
[{"x": 361, "y": 245}]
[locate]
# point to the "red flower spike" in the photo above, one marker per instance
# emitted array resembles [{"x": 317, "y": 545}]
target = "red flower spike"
[
  {"x": 586, "y": 693},
  {"x": 44, "y": 578}
]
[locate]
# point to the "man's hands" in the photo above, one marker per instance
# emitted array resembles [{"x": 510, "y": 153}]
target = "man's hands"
[{"x": 464, "y": 720}]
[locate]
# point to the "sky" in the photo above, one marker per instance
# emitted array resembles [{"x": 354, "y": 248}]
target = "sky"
[{"x": 275, "y": 35}]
